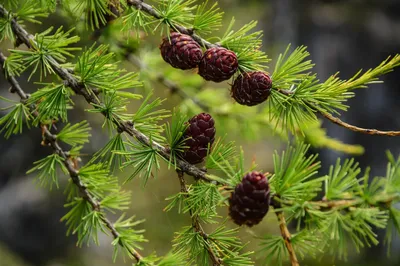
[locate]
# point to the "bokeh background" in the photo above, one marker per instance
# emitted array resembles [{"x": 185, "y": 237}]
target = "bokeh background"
[{"x": 341, "y": 36}]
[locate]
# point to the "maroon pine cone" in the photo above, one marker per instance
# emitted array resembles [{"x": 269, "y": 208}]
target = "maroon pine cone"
[
  {"x": 218, "y": 64},
  {"x": 199, "y": 134},
  {"x": 251, "y": 88},
  {"x": 181, "y": 51},
  {"x": 250, "y": 201}
]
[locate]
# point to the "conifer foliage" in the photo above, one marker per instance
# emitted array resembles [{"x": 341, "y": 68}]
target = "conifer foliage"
[{"x": 353, "y": 206}]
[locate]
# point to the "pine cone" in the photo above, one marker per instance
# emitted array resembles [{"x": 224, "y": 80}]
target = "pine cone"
[
  {"x": 218, "y": 64},
  {"x": 199, "y": 134},
  {"x": 181, "y": 51},
  {"x": 251, "y": 88},
  {"x": 249, "y": 203}
]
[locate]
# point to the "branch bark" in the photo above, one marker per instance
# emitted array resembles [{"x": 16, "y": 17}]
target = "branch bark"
[
  {"x": 287, "y": 238},
  {"x": 140, "y": 5},
  {"x": 326, "y": 205},
  {"x": 197, "y": 226},
  {"x": 51, "y": 140}
]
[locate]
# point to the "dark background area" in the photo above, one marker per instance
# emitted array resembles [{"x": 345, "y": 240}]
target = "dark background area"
[{"x": 341, "y": 36}]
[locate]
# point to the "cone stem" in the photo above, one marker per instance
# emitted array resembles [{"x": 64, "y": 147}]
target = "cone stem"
[
  {"x": 286, "y": 237},
  {"x": 285, "y": 233}
]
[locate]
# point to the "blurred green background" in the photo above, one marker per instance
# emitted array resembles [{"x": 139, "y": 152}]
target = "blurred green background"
[{"x": 341, "y": 35}]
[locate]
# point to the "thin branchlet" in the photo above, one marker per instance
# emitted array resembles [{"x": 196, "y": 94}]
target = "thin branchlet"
[
  {"x": 285, "y": 233},
  {"x": 51, "y": 140},
  {"x": 327, "y": 205},
  {"x": 197, "y": 226},
  {"x": 348, "y": 126},
  {"x": 367, "y": 131},
  {"x": 140, "y": 5}
]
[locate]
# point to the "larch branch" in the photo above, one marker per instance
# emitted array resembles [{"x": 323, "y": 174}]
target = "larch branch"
[
  {"x": 326, "y": 205},
  {"x": 51, "y": 140},
  {"x": 91, "y": 98}
]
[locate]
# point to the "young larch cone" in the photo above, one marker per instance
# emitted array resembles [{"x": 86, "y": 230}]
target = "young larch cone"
[
  {"x": 181, "y": 51},
  {"x": 199, "y": 134},
  {"x": 218, "y": 64},
  {"x": 250, "y": 201},
  {"x": 251, "y": 88}
]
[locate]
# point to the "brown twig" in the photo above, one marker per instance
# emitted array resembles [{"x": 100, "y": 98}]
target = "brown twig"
[
  {"x": 197, "y": 226},
  {"x": 51, "y": 140},
  {"x": 367, "y": 131},
  {"x": 277, "y": 203},
  {"x": 125, "y": 126},
  {"x": 284, "y": 231},
  {"x": 287, "y": 238},
  {"x": 91, "y": 98}
]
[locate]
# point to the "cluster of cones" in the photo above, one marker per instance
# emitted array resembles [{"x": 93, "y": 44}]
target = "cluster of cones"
[
  {"x": 250, "y": 200},
  {"x": 216, "y": 64}
]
